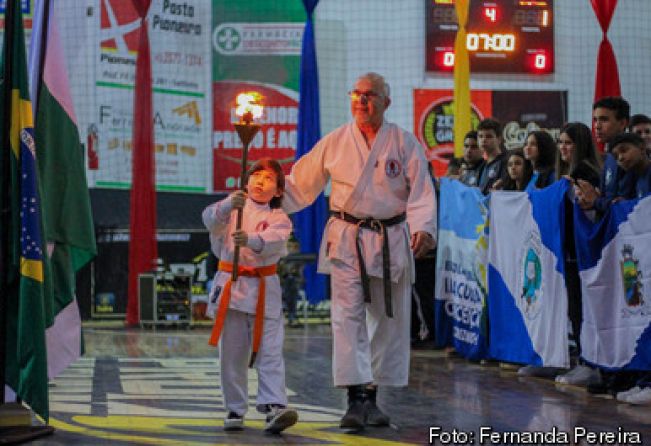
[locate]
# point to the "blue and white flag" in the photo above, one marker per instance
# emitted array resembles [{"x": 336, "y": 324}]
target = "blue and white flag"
[
  {"x": 460, "y": 292},
  {"x": 614, "y": 258},
  {"x": 527, "y": 300}
]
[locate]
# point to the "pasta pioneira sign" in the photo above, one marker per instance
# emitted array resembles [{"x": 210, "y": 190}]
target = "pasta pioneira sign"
[{"x": 180, "y": 64}]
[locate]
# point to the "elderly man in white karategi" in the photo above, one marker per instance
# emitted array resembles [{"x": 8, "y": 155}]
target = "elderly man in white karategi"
[{"x": 383, "y": 208}]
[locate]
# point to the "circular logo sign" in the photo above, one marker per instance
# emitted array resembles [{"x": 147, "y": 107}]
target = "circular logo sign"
[
  {"x": 437, "y": 128},
  {"x": 227, "y": 39}
]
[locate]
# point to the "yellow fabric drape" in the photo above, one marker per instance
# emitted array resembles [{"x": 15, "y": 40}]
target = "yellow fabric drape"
[{"x": 461, "y": 79}]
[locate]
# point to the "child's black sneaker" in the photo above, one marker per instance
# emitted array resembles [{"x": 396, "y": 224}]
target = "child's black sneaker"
[
  {"x": 280, "y": 418},
  {"x": 233, "y": 422}
]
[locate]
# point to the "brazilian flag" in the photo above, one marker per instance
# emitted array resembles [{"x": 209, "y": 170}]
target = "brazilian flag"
[{"x": 28, "y": 308}]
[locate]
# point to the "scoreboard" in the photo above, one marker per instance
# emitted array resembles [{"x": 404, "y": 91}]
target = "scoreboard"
[{"x": 503, "y": 36}]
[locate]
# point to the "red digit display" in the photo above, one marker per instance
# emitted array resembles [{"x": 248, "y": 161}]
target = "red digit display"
[
  {"x": 448, "y": 59},
  {"x": 490, "y": 13}
]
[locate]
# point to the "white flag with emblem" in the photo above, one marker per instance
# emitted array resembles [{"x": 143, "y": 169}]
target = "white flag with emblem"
[
  {"x": 527, "y": 300},
  {"x": 615, "y": 268}
]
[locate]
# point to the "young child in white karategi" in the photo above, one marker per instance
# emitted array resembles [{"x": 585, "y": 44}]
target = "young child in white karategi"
[{"x": 248, "y": 311}]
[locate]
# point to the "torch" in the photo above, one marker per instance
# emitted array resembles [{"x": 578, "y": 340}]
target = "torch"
[{"x": 249, "y": 107}]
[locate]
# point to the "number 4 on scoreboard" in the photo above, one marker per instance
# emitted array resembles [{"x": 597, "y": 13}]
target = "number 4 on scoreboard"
[{"x": 491, "y": 13}]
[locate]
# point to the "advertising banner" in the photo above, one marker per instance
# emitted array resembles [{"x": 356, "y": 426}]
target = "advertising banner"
[
  {"x": 256, "y": 47},
  {"x": 519, "y": 112},
  {"x": 180, "y": 58},
  {"x": 26, "y": 8}
]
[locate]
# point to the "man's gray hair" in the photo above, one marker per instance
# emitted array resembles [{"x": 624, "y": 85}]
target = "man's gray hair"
[{"x": 378, "y": 79}]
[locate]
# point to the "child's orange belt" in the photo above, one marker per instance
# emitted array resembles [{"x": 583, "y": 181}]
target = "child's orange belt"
[{"x": 246, "y": 271}]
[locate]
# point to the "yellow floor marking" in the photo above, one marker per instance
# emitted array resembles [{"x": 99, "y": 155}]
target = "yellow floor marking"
[{"x": 152, "y": 430}]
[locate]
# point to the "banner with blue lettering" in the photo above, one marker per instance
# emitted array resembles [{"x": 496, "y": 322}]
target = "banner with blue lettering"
[
  {"x": 527, "y": 301},
  {"x": 460, "y": 292},
  {"x": 614, "y": 258}
]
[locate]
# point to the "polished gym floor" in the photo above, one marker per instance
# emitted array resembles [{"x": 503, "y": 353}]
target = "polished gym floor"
[{"x": 161, "y": 387}]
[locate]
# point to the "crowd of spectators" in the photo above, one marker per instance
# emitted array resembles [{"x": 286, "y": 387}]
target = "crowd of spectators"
[{"x": 599, "y": 178}]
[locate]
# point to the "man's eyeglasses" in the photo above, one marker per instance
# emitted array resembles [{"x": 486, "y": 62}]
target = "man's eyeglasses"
[{"x": 357, "y": 95}]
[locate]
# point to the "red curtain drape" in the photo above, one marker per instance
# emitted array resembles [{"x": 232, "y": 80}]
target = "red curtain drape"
[
  {"x": 607, "y": 79},
  {"x": 142, "y": 220}
]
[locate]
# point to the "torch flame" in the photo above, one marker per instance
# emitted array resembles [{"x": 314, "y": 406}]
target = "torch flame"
[{"x": 249, "y": 106}]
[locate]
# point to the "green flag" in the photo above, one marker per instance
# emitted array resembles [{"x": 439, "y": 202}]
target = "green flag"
[
  {"x": 69, "y": 231},
  {"x": 28, "y": 309}
]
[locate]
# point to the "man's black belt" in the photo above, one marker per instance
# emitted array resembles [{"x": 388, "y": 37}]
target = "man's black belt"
[{"x": 379, "y": 226}]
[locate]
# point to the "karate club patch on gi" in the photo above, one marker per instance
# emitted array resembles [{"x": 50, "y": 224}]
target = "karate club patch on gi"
[
  {"x": 393, "y": 168},
  {"x": 261, "y": 226}
]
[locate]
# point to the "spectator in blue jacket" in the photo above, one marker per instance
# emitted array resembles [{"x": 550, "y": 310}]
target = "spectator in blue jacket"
[
  {"x": 630, "y": 150},
  {"x": 610, "y": 116},
  {"x": 641, "y": 124}
]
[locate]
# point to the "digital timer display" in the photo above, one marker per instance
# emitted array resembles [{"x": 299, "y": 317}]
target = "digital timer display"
[{"x": 502, "y": 36}]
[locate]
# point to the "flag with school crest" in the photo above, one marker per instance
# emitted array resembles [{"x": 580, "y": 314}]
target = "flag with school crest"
[
  {"x": 527, "y": 299},
  {"x": 614, "y": 258},
  {"x": 460, "y": 291}
]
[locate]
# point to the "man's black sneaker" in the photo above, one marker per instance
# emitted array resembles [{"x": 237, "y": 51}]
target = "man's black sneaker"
[
  {"x": 355, "y": 417},
  {"x": 374, "y": 416}
]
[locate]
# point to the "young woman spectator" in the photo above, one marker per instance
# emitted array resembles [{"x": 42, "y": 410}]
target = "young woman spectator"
[
  {"x": 577, "y": 156},
  {"x": 541, "y": 150},
  {"x": 578, "y": 160}
]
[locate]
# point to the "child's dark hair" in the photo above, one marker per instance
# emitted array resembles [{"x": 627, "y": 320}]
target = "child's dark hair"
[
  {"x": 618, "y": 104},
  {"x": 546, "y": 155},
  {"x": 274, "y": 166},
  {"x": 472, "y": 134},
  {"x": 627, "y": 138}
]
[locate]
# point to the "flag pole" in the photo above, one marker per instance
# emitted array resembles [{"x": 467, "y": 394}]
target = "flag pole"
[
  {"x": 41, "y": 62},
  {"x": 6, "y": 205}
]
